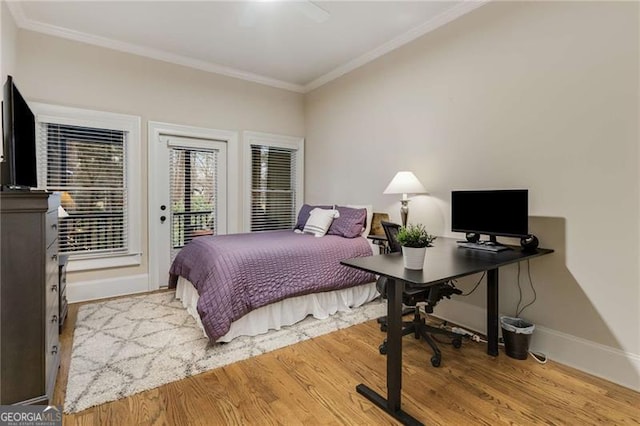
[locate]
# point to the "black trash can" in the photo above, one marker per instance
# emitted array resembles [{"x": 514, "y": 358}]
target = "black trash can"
[{"x": 516, "y": 334}]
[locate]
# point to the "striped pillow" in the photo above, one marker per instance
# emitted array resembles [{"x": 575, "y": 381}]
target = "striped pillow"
[{"x": 319, "y": 221}]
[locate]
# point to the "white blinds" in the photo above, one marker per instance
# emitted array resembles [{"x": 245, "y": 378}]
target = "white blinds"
[
  {"x": 88, "y": 166},
  {"x": 194, "y": 187},
  {"x": 273, "y": 188}
]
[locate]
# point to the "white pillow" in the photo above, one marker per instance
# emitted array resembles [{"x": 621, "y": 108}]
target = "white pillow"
[
  {"x": 369, "y": 209},
  {"x": 319, "y": 221}
]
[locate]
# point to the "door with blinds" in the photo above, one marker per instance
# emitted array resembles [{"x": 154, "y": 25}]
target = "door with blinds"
[{"x": 192, "y": 194}]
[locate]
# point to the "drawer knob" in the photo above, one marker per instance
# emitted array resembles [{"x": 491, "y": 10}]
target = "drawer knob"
[
  {"x": 54, "y": 287},
  {"x": 54, "y": 257},
  {"x": 54, "y": 318},
  {"x": 54, "y": 350},
  {"x": 54, "y": 225}
]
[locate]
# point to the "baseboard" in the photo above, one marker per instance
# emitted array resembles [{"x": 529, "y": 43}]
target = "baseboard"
[
  {"x": 109, "y": 287},
  {"x": 609, "y": 363}
]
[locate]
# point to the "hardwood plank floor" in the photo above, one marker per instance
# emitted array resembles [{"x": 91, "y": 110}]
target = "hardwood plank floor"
[{"x": 313, "y": 382}]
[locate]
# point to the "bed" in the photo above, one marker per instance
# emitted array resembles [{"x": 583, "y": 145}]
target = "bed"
[{"x": 247, "y": 284}]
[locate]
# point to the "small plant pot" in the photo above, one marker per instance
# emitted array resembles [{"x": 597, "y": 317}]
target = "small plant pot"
[{"x": 413, "y": 257}]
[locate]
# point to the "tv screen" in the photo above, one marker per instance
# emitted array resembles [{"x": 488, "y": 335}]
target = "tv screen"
[
  {"x": 19, "y": 169},
  {"x": 495, "y": 213}
]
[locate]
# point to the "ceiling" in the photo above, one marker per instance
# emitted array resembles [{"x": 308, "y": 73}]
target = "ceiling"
[{"x": 296, "y": 45}]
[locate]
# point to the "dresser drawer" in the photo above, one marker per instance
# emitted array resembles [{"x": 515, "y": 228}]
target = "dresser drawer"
[
  {"x": 52, "y": 355},
  {"x": 52, "y": 294},
  {"x": 51, "y": 229},
  {"x": 51, "y": 261},
  {"x": 53, "y": 342},
  {"x": 52, "y": 330}
]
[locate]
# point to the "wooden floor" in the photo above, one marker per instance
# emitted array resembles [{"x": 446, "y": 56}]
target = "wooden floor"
[{"x": 313, "y": 382}]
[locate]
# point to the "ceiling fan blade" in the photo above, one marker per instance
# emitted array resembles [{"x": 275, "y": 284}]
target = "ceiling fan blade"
[{"x": 311, "y": 11}]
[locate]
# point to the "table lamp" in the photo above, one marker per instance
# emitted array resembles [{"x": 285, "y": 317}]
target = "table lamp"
[{"x": 405, "y": 183}]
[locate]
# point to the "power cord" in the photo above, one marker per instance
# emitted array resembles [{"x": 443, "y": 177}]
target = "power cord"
[
  {"x": 453, "y": 284},
  {"x": 470, "y": 335},
  {"x": 539, "y": 357},
  {"x": 533, "y": 289}
]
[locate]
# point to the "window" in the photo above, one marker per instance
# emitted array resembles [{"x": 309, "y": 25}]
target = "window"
[
  {"x": 274, "y": 179},
  {"x": 91, "y": 158}
]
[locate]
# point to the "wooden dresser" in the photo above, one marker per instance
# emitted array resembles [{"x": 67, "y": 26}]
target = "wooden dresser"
[{"x": 29, "y": 311}]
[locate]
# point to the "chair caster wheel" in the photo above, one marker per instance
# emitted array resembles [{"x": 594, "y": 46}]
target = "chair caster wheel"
[
  {"x": 383, "y": 349},
  {"x": 383, "y": 328},
  {"x": 457, "y": 343},
  {"x": 435, "y": 361}
]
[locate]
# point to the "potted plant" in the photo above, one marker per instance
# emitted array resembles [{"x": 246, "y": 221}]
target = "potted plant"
[{"x": 414, "y": 240}]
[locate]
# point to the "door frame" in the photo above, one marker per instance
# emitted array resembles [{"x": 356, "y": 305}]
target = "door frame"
[{"x": 154, "y": 132}]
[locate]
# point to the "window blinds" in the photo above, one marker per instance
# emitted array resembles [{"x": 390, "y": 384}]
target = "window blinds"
[
  {"x": 194, "y": 188},
  {"x": 88, "y": 166},
  {"x": 273, "y": 188}
]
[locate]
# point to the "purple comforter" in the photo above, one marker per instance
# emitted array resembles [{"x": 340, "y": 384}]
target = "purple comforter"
[{"x": 235, "y": 274}]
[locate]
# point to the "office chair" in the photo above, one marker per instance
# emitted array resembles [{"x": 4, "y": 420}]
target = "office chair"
[{"x": 411, "y": 296}]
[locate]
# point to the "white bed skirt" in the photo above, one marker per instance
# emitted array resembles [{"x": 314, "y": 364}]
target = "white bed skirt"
[{"x": 283, "y": 313}]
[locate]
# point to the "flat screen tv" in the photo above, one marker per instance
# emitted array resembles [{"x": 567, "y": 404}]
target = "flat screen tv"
[
  {"x": 18, "y": 168},
  {"x": 491, "y": 212}
]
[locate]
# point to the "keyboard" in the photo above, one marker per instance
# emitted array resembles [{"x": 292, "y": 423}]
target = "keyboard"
[{"x": 482, "y": 246}]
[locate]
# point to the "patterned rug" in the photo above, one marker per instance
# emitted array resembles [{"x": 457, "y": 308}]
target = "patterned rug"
[{"x": 125, "y": 346}]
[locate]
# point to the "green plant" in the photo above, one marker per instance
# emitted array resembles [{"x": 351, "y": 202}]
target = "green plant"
[{"x": 415, "y": 236}]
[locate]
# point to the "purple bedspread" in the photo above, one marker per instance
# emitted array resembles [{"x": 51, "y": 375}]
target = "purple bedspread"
[{"x": 235, "y": 274}]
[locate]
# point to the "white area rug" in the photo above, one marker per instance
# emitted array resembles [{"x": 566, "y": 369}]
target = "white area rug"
[{"x": 125, "y": 346}]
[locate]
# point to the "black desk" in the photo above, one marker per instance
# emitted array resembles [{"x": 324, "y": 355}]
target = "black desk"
[{"x": 445, "y": 261}]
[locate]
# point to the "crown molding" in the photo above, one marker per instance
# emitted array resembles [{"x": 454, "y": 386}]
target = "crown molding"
[
  {"x": 28, "y": 24},
  {"x": 428, "y": 26},
  {"x": 22, "y": 21}
]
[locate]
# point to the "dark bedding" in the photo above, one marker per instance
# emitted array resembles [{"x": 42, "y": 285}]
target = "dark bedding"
[{"x": 235, "y": 274}]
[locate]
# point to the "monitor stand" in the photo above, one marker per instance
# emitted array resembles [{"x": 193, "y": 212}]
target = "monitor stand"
[
  {"x": 492, "y": 245},
  {"x": 493, "y": 241}
]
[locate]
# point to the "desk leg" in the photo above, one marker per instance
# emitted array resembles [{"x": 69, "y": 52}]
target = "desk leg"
[
  {"x": 394, "y": 359},
  {"x": 394, "y": 345},
  {"x": 492, "y": 312}
]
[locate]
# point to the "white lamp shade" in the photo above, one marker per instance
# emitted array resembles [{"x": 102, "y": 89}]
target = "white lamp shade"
[{"x": 405, "y": 183}]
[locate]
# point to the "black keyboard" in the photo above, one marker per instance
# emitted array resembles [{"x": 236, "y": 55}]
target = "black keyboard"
[{"x": 482, "y": 246}]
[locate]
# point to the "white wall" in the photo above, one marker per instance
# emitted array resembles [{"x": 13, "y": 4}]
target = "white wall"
[
  {"x": 537, "y": 95},
  {"x": 9, "y": 34},
  {"x": 58, "y": 71}
]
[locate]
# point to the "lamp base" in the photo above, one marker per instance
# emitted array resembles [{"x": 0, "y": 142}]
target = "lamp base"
[{"x": 404, "y": 211}]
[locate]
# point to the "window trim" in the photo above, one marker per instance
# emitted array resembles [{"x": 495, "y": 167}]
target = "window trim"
[
  {"x": 278, "y": 141},
  {"x": 108, "y": 120}
]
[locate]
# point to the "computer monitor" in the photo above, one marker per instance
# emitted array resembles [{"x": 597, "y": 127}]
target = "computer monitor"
[{"x": 491, "y": 212}]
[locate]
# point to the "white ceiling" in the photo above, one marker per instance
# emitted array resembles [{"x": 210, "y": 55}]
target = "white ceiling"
[{"x": 281, "y": 44}]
